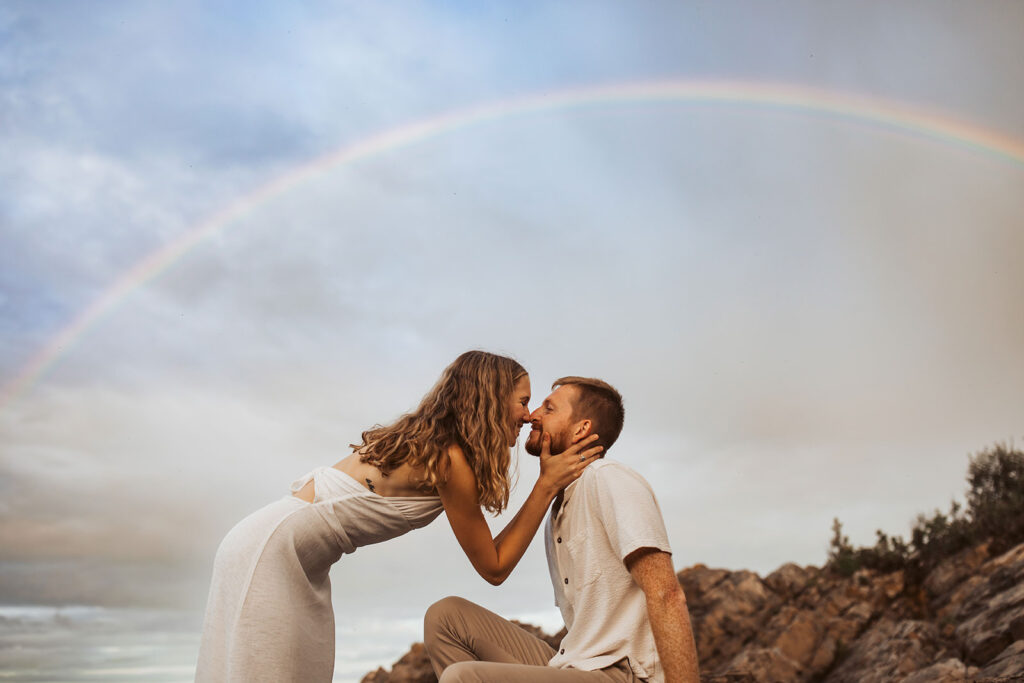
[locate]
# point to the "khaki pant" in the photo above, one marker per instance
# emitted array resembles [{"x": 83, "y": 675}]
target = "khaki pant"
[{"x": 469, "y": 644}]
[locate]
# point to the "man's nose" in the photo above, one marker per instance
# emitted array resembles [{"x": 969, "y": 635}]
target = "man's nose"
[{"x": 534, "y": 416}]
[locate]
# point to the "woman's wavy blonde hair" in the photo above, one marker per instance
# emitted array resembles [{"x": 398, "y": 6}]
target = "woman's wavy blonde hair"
[{"x": 468, "y": 407}]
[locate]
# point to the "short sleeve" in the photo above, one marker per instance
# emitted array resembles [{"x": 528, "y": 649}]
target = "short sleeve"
[{"x": 629, "y": 511}]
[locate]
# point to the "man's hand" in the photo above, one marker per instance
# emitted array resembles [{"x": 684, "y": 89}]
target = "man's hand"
[{"x": 670, "y": 620}]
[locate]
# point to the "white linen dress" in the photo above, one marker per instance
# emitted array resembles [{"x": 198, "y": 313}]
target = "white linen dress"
[{"x": 269, "y": 615}]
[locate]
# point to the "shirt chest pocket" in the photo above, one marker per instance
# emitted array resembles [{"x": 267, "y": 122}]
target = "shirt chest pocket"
[{"x": 586, "y": 567}]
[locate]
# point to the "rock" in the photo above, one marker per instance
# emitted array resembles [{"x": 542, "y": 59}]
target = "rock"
[
  {"x": 731, "y": 677},
  {"x": 729, "y": 614},
  {"x": 698, "y": 580},
  {"x": 952, "y": 604},
  {"x": 789, "y": 580},
  {"x": 988, "y": 633},
  {"x": 888, "y": 651},
  {"x": 766, "y": 665},
  {"x": 992, "y": 616},
  {"x": 378, "y": 676},
  {"x": 824, "y": 656},
  {"x": 889, "y": 585},
  {"x": 950, "y": 670},
  {"x": 838, "y": 602},
  {"x": 952, "y": 571},
  {"x": 859, "y": 612},
  {"x": 799, "y": 640},
  {"x": 1009, "y": 662},
  {"x": 805, "y": 637},
  {"x": 993, "y": 577},
  {"x": 413, "y": 667}
]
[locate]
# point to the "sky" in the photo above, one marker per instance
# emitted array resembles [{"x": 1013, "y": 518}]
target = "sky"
[{"x": 234, "y": 236}]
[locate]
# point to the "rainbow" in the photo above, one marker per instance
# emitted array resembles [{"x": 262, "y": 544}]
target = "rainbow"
[{"x": 858, "y": 109}]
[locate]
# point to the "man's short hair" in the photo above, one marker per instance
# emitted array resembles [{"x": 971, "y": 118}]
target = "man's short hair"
[{"x": 599, "y": 402}]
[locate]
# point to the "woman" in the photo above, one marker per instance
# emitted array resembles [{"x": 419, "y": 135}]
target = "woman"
[{"x": 269, "y": 615}]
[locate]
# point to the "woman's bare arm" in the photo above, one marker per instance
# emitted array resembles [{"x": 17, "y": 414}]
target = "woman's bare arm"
[{"x": 494, "y": 558}]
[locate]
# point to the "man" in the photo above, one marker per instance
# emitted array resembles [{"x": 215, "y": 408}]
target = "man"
[{"x": 610, "y": 565}]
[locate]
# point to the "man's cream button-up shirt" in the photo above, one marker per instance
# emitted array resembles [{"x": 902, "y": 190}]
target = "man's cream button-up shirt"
[{"x": 605, "y": 515}]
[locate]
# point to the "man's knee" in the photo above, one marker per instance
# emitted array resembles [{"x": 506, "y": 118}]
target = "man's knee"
[
  {"x": 442, "y": 610},
  {"x": 439, "y": 616}
]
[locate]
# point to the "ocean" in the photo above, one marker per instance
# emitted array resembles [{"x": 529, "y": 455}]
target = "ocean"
[{"x": 43, "y": 644}]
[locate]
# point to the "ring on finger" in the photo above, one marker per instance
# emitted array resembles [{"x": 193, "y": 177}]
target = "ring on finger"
[{"x": 582, "y": 457}]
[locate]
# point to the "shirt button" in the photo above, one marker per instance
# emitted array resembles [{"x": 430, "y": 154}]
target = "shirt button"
[
  {"x": 559, "y": 539},
  {"x": 567, "y": 581},
  {"x": 562, "y": 651}
]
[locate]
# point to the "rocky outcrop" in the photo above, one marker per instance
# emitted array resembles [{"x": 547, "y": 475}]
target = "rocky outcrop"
[
  {"x": 991, "y": 616},
  {"x": 413, "y": 667},
  {"x": 1008, "y": 664},
  {"x": 790, "y": 626},
  {"x": 965, "y": 622},
  {"x": 890, "y": 651}
]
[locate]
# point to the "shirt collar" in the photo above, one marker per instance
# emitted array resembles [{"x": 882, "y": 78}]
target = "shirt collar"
[
  {"x": 566, "y": 495},
  {"x": 569, "y": 490}
]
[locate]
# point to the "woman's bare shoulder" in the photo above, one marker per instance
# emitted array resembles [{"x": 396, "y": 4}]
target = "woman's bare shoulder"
[
  {"x": 455, "y": 467},
  {"x": 456, "y": 459}
]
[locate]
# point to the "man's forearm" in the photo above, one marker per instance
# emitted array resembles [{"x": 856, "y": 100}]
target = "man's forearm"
[
  {"x": 652, "y": 570},
  {"x": 673, "y": 636}
]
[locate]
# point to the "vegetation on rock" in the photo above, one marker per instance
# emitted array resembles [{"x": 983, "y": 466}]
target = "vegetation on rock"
[{"x": 994, "y": 514}]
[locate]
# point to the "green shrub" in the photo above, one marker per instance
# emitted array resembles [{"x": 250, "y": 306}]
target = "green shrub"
[
  {"x": 842, "y": 557},
  {"x": 995, "y": 513},
  {"x": 887, "y": 555},
  {"x": 995, "y": 499}
]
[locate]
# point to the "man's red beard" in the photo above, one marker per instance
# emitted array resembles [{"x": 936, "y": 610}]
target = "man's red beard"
[
  {"x": 534, "y": 441},
  {"x": 535, "y": 446}
]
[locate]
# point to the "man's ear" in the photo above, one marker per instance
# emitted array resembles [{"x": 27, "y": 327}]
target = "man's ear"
[{"x": 581, "y": 430}]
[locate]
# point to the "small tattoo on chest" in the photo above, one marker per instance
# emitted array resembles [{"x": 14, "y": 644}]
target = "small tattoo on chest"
[{"x": 369, "y": 484}]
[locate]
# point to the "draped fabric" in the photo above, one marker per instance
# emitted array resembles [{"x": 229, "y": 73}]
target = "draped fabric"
[{"x": 269, "y": 615}]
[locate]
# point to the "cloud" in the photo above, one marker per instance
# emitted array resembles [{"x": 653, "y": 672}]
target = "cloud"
[{"x": 804, "y": 315}]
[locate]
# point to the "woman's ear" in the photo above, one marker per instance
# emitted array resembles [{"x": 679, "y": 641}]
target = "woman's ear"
[{"x": 581, "y": 430}]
